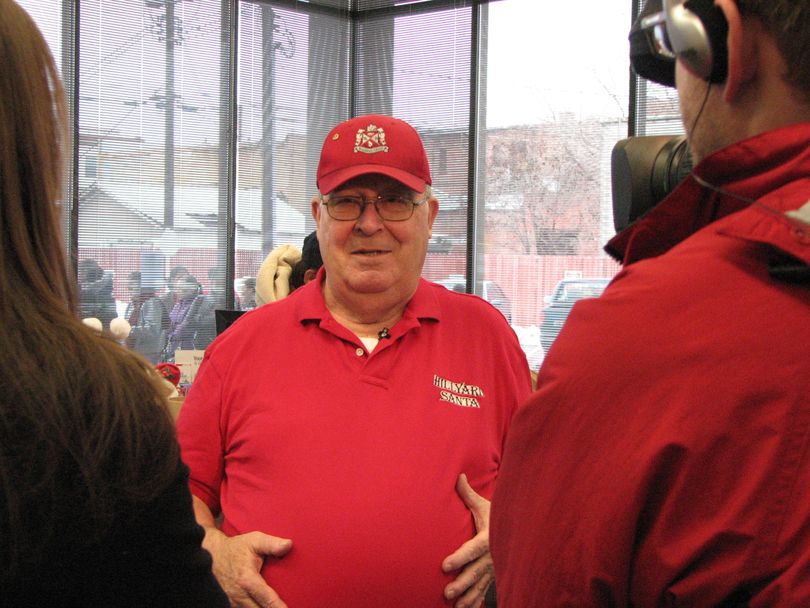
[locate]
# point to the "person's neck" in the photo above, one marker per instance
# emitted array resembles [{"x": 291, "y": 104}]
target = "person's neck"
[
  {"x": 788, "y": 111},
  {"x": 755, "y": 113},
  {"x": 363, "y": 314},
  {"x": 767, "y": 102}
]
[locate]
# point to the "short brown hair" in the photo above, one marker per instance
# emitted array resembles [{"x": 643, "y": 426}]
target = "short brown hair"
[{"x": 786, "y": 21}]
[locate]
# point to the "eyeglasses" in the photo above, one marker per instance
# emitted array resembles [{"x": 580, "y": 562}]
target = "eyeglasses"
[
  {"x": 391, "y": 207},
  {"x": 655, "y": 27}
]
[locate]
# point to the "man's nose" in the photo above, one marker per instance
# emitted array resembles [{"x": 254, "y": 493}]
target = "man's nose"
[{"x": 369, "y": 218}]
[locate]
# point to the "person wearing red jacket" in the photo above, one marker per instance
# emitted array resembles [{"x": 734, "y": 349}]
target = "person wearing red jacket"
[{"x": 665, "y": 458}]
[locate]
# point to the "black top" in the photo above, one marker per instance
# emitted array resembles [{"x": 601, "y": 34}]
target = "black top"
[
  {"x": 96, "y": 300},
  {"x": 152, "y": 556}
]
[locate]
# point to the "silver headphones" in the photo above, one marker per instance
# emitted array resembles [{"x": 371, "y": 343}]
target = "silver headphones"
[
  {"x": 693, "y": 31},
  {"x": 697, "y": 32}
]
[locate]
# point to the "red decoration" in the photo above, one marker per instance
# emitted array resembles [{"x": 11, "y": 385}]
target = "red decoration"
[{"x": 169, "y": 371}]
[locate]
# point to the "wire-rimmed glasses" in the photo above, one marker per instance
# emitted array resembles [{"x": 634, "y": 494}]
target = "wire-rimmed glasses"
[{"x": 391, "y": 207}]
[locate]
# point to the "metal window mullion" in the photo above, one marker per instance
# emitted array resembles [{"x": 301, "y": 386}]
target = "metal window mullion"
[
  {"x": 474, "y": 213},
  {"x": 229, "y": 132},
  {"x": 352, "y": 25},
  {"x": 70, "y": 60},
  {"x": 633, "y": 100}
]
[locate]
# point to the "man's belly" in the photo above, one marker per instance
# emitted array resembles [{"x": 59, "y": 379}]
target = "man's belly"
[{"x": 369, "y": 542}]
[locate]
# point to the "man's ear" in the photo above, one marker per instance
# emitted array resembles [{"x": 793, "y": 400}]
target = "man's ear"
[
  {"x": 309, "y": 274},
  {"x": 433, "y": 210},
  {"x": 742, "y": 51},
  {"x": 315, "y": 209}
]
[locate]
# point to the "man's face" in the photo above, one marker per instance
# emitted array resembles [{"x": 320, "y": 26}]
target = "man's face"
[
  {"x": 369, "y": 255},
  {"x": 186, "y": 288}
]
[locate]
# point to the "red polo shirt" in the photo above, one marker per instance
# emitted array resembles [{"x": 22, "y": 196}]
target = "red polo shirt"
[{"x": 293, "y": 429}]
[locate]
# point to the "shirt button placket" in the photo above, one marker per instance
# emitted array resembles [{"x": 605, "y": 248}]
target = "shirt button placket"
[{"x": 801, "y": 235}]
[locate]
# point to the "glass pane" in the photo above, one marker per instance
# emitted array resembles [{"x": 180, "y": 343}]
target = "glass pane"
[
  {"x": 417, "y": 67},
  {"x": 657, "y": 111},
  {"x": 155, "y": 187},
  {"x": 293, "y": 87},
  {"x": 48, "y": 16},
  {"x": 150, "y": 169},
  {"x": 556, "y": 103}
]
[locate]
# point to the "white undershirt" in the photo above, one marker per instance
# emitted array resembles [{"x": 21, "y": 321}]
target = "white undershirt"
[{"x": 369, "y": 343}]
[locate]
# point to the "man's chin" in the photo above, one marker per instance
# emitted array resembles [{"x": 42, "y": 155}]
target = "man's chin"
[{"x": 370, "y": 282}]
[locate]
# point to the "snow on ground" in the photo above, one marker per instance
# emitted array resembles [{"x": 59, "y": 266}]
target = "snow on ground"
[{"x": 529, "y": 337}]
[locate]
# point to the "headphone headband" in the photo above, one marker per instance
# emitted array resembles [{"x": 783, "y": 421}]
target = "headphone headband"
[
  {"x": 688, "y": 38},
  {"x": 693, "y": 31},
  {"x": 697, "y": 31}
]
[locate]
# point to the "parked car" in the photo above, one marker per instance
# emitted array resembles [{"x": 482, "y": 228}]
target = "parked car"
[
  {"x": 440, "y": 243},
  {"x": 559, "y": 304},
  {"x": 492, "y": 293}
]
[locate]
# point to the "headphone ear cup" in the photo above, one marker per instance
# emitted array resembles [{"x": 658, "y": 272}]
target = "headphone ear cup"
[{"x": 716, "y": 29}]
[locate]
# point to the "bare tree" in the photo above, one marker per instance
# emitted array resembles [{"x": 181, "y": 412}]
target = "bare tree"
[{"x": 543, "y": 187}]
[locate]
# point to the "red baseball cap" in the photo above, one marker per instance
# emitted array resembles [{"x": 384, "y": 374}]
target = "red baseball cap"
[{"x": 373, "y": 144}]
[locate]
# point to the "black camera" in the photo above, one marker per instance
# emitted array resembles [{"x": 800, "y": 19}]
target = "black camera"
[{"x": 643, "y": 171}]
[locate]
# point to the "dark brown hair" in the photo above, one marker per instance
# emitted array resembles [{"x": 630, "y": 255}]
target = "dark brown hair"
[
  {"x": 786, "y": 21},
  {"x": 83, "y": 426}
]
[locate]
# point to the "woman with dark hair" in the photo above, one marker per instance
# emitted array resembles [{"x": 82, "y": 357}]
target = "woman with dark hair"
[
  {"x": 95, "y": 508},
  {"x": 192, "y": 318},
  {"x": 96, "y": 293},
  {"x": 176, "y": 276}
]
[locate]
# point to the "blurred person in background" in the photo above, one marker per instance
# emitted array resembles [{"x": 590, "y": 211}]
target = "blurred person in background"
[
  {"x": 192, "y": 317},
  {"x": 176, "y": 275},
  {"x": 95, "y": 508},
  {"x": 245, "y": 288},
  {"x": 307, "y": 267},
  {"x": 148, "y": 319},
  {"x": 96, "y": 292}
]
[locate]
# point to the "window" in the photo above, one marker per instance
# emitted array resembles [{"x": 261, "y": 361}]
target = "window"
[
  {"x": 199, "y": 131},
  {"x": 556, "y": 91},
  {"x": 656, "y": 111},
  {"x": 293, "y": 86}
]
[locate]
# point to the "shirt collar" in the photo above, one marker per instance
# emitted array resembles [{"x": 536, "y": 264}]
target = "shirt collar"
[
  {"x": 739, "y": 174},
  {"x": 311, "y": 306}
]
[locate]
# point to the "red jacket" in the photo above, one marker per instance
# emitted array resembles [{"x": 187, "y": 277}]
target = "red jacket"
[{"x": 665, "y": 458}]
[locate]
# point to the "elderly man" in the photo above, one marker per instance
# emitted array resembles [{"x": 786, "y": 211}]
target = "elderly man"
[
  {"x": 340, "y": 431},
  {"x": 664, "y": 459}
]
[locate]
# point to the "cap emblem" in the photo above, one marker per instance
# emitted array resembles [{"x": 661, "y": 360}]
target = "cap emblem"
[{"x": 370, "y": 140}]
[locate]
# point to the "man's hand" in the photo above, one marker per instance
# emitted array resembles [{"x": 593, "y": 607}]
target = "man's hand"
[
  {"x": 473, "y": 557},
  {"x": 238, "y": 561}
]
